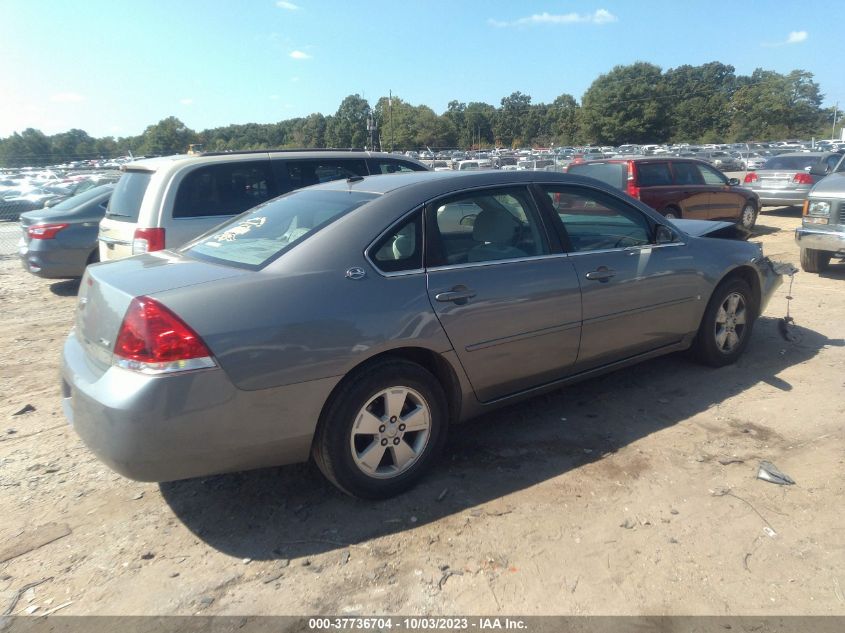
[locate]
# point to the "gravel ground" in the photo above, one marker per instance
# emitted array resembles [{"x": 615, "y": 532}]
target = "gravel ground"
[{"x": 634, "y": 493}]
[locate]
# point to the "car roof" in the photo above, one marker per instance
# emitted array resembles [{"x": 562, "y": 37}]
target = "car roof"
[
  {"x": 161, "y": 162},
  {"x": 453, "y": 180}
]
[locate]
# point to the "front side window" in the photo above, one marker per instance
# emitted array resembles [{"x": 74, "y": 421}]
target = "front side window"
[
  {"x": 222, "y": 189},
  {"x": 400, "y": 249},
  {"x": 303, "y": 173},
  {"x": 257, "y": 238},
  {"x": 593, "y": 221},
  {"x": 387, "y": 166},
  {"x": 686, "y": 173},
  {"x": 485, "y": 226},
  {"x": 711, "y": 176}
]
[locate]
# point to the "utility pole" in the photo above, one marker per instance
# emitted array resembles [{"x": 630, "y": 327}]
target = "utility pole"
[
  {"x": 390, "y": 108},
  {"x": 833, "y": 129}
]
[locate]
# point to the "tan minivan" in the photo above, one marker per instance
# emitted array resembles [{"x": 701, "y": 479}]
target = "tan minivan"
[{"x": 164, "y": 202}]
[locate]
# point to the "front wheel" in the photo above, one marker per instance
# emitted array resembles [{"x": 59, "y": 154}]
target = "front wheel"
[
  {"x": 748, "y": 216},
  {"x": 726, "y": 325},
  {"x": 814, "y": 261},
  {"x": 382, "y": 430},
  {"x": 672, "y": 213}
]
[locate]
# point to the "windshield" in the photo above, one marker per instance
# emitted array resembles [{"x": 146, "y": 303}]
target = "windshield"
[
  {"x": 125, "y": 202},
  {"x": 614, "y": 174},
  {"x": 261, "y": 235}
]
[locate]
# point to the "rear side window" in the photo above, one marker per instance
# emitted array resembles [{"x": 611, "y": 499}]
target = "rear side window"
[
  {"x": 295, "y": 174},
  {"x": 387, "y": 166},
  {"x": 223, "y": 189},
  {"x": 125, "y": 202},
  {"x": 400, "y": 249},
  {"x": 686, "y": 174},
  {"x": 613, "y": 174},
  {"x": 653, "y": 174},
  {"x": 257, "y": 238}
]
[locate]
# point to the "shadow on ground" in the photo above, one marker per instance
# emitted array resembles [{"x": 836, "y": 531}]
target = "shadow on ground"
[
  {"x": 66, "y": 288},
  {"x": 836, "y": 270},
  {"x": 292, "y": 511}
]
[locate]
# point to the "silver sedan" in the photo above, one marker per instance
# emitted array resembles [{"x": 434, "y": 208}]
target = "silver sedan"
[{"x": 355, "y": 321}]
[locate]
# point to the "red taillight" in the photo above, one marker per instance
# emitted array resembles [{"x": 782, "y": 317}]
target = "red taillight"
[
  {"x": 802, "y": 179},
  {"x": 154, "y": 340},
  {"x": 631, "y": 187},
  {"x": 752, "y": 177},
  {"x": 44, "y": 231},
  {"x": 147, "y": 240}
]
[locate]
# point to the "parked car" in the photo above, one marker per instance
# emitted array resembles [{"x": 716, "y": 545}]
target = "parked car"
[
  {"x": 822, "y": 232},
  {"x": 721, "y": 160},
  {"x": 60, "y": 241},
  {"x": 751, "y": 161},
  {"x": 359, "y": 339},
  {"x": 677, "y": 187},
  {"x": 786, "y": 179},
  {"x": 164, "y": 202},
  {"x": 17, "y": 201}
]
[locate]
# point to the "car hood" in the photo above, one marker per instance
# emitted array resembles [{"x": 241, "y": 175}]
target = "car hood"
[
  {"x": 709, "y": 228},
  {"x": 832, "y": 186}
]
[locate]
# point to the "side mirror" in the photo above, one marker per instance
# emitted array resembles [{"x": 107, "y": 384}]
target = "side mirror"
[
  {"x": 664, "y": 235},
  {"x": 733, "y": 182}
]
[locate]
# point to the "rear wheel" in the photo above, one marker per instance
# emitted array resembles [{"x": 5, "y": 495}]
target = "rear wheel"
[
  {"x": 748, "y": 216},
  {"x": 672, "y": 213},
  {"x": 726, "y": 325},
  {"x": 382, "y": 430},
  {"x": 813, "y": 261}
]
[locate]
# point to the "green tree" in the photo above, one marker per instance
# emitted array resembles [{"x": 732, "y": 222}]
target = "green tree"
[
  {"x": 626, "y": 105},
  {"x": 698, "y": 99},
  {"x": 168, "y": 136},
  {"x": 768, "y": 105},
  {"x": 509, "y": 126},
  {"x": 562, "y": 120},
  {"x": 348, "y": 127}
]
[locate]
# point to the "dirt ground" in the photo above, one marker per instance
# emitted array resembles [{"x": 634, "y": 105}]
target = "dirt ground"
[{"x": 634, "y": 493}]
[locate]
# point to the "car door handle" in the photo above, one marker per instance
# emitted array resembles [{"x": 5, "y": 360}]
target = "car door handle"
[
  {"x": 602, "y": 273},
  {"x": 458, "y": 294}
]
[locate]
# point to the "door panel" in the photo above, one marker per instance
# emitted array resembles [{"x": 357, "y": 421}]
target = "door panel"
[
  {"x": 511, "y": 309},
  {"x": 521, "y": 326},
  {"x": 636, "y": 296}
]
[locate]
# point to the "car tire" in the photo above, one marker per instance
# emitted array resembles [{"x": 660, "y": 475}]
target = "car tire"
[
  {"x": 814, "y": 261},
  {"x": 362, "y": 444},
  {"x": 748, "y": 216},
  {"x": 726, "y": 326},
  {"x": 672, "y": 213}
]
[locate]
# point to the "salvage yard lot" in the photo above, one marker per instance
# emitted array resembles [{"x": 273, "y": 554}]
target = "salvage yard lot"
[{"x": 634, "y": 493}]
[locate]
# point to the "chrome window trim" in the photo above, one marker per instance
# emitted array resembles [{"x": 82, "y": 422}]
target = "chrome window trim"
[
  {"x": 496, "y": 262},
  {"x": 630, "y": 249}
]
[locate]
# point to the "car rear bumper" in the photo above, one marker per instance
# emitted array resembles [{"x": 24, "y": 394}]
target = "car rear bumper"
[
  {"x": 163, "y": 428},
  {"x": 53, "y": 263},
  {"x": 775, "y": 197},
  {"x": 832, "y": 241}
]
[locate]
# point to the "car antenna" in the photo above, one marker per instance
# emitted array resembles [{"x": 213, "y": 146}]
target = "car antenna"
[{"x": 353, "y": 179}]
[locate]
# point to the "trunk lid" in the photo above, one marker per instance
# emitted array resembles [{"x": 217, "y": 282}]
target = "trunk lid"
[{"x": 106, "y": 291}]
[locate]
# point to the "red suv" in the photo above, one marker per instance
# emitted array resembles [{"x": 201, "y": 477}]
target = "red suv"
[{"x": 677, "y": 187}]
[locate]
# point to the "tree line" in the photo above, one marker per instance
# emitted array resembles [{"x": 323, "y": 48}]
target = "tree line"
[{"x": 636, "y": 103}]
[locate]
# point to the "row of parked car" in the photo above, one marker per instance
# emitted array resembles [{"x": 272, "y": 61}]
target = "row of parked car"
[{"x": 203, "y": 190}]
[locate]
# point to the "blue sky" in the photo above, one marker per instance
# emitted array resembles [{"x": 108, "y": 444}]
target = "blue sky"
[{"x": 112, "y": 67}]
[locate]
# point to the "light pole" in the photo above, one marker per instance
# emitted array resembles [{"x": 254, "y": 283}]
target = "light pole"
[{"x": 390, "y": 108}]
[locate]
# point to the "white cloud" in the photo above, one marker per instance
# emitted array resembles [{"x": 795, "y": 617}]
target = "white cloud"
[
  {"x": 186, "y": 101},
  {"x": 67, "y": 97},
  {"x": 299, "y": 55},
  {"x": 796, "y": 37},
  {"x": 288, "y": 6},
  {"x": 600, "y": 16}
]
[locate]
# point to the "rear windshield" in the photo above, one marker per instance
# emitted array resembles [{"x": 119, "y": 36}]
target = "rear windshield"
[
  {"x": 125, "y": 201},
  {"x": 791, "y": 162},
  {"x": 261, "y": 235},
  {"x": 614, "y": 174}
]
